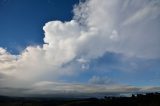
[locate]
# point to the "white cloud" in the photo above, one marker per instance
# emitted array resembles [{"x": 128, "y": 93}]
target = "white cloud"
[
  {"x": 6, "y": 61},
  {"x": 145, "y": 11},
  {"x": 140, "y": 39},
  {"x": 101, "y": 80},
  {"x": 98, "y": 27}
]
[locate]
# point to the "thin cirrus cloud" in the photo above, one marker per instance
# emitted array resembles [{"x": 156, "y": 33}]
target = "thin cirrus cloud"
[{"x": 121, "y": 27}]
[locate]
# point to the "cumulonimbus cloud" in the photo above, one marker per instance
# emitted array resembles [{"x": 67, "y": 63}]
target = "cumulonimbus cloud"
[{"x": 127, "y": 27}]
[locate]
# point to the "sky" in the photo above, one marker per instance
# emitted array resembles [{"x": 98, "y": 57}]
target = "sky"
[
  {"x": 79, "y": 48},
  {"x": 22, "y": 21}
]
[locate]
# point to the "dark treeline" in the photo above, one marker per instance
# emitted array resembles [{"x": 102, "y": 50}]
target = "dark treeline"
[{"x": 149, "y": 99}]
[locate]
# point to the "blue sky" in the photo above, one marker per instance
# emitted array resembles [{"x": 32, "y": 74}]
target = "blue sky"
[
  {"x": 70, "y": 45},
  {"x": 22, "y": 20}
]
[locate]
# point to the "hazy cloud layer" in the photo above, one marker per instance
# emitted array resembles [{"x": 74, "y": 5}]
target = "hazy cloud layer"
[
  {"x": 127, "y": 27},
  {"x": 60, "y": 89}
]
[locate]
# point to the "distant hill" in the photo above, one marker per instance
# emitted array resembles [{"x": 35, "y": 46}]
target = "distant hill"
[{"x": 149, "y": 99}]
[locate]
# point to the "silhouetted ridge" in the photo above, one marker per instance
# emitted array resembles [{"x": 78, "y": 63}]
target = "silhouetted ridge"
[{"x": 149, "y": 99}]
